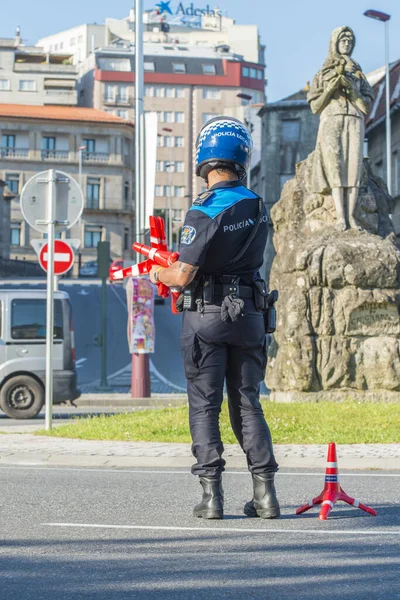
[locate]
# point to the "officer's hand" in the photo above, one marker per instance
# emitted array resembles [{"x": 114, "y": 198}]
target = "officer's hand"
[{"x": 155, "y": 271}]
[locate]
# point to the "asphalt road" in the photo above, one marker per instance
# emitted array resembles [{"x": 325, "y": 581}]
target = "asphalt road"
[{"x": 107, "y": 534}]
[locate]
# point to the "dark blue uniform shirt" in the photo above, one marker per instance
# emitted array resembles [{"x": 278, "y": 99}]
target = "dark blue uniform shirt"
[{"x": 215, "y": 231}]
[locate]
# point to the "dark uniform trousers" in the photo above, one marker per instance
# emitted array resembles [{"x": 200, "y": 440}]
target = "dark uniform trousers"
[{"x": 212, "y": 351}]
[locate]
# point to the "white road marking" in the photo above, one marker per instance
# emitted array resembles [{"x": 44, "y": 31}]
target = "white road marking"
[
  {"x": 83, "y": 293},
  {"x": 78, "y": 363},
  {"x": 217, "y": 529},
  {"x": 183, "y": 471}
]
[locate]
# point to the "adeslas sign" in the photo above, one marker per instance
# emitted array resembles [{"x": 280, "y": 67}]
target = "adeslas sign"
[{"x": 189, "y": 11}]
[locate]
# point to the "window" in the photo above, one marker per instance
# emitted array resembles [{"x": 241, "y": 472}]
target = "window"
[
  {"x": 28, "y": 319},
  {"x": 61, "y": 45},
  {"x": 123, "y": 93},
  {"x": 90, "y": 144},
  {"x": 92, "y": 194},
  {"x": 211, "y": 94},
  {"x": 4, "y": 84},
  {"x": 48, "y": 147},
  {"x": 15, "y": 234},
  {"x": 27, "y": 85},
  {"x": 93, "y": 236},
  {"x": 170, "y": 92},
  {"x": 109, "y": 92},
  {"x": 126, "y": 194},
  {"x": 209, "y": 69},
  {"x": 8, "y": 141},
  {"x": 180, "y": 92},
  {"x": 179, "y": 117},
  {"x": 122, "y": 114},
  {"x": 253, "y": 73},
  {"x": 179, "y": 67},
  {"x": 115, "y": 64},
  {"x": 57, "y": 235},
  {"x": 395, "y": 170},
  {"x": 56, "y": 47},
  {"x": 183, "y": 48},
  {"x": 80, "y": 39},
  {"x": 12, "y": 181},
  {"x": 179, "y": 166},
  {"x": 159, "y": 92},
  {"x": 379, "y": 169},
  {"x": 149, "y": 66},
  {"x": 126, "y": 238},
  {"x": 291, "y": 130},
  {"x": 72, "y": 41},
  {"x": 159, "y": 190},
  {"x": 160, "y": 141},
  {"x": 169, "y": 117},
  {"x": 168, "y": 190},
  {"x": 259, "y": 74},
  {"x": 245, "y": 72},
  {"x": 179, "y": 191},
  {"x": 149, "y": 91},
  {"x": 179, "y": 141},
  {"x": 160, "y": 166},
  {"x": 160, "y": 116},
  {"x": 168, "y": 141},
  {"x": 207, "y": 116}
]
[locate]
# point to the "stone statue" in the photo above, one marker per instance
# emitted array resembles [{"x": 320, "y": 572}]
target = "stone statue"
[
  {"x": 341, "y": 94},
  {"x": 338, "y": 325}
]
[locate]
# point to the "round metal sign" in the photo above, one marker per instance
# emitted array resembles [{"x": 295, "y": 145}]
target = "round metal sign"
[{"x": 35, "y": 201}]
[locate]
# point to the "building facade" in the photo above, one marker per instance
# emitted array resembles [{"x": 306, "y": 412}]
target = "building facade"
[
  {"x": 376, "y": 135},
  {"x": 30, "y": 75},
  {"x": 37, "y": 138}
]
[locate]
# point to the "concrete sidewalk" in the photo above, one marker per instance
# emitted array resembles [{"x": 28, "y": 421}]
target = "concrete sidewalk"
[{"x": 29, "y": 449}]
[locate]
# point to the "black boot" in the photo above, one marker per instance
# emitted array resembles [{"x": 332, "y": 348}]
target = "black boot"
[
  {"x": 264, "y": 503},
  {"x": 212, "y": 503}
]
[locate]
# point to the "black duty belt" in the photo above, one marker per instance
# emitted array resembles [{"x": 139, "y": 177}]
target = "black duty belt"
[{"x": 242, "y": 291}]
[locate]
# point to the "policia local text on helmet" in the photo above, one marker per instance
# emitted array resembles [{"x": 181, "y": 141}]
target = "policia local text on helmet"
[{"x": 224, "y": 302}]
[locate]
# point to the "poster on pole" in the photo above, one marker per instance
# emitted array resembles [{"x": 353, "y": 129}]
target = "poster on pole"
[{"x": 140, "y": 302}]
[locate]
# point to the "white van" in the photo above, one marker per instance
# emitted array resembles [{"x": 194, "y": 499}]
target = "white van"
[{"x": 23, "y": 352}]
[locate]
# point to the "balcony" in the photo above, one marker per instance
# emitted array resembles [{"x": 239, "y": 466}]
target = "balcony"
[
  {"x": 44, "y": 67},
  {"x": 118, "y": 100},
  {"x": 67, "y": 97},
  {"x": 14, "y": 152},
  {"x": 54, "y": 154},
  {"x": 95, "y": 156}
]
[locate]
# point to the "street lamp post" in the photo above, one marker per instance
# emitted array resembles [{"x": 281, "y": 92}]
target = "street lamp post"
[
  {"x": 247, "y": 98},
  {"x": 80, "y": 150},
  {"x": 169, "y": 209},
  {"x": 384, "y": 18}
]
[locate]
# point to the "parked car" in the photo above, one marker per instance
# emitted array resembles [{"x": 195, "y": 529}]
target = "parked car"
[
  {"x": 23, "y": 352},
  {"x": 88, "y": 269}
]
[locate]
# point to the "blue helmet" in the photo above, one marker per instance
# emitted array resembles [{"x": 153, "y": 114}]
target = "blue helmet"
[{"x": 222, "y": 141}]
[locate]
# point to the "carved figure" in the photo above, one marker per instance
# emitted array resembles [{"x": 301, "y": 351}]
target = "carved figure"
[{"x": 342, "y": 95}]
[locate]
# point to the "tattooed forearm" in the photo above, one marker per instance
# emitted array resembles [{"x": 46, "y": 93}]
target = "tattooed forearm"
[{"x": 178, "y": 275}]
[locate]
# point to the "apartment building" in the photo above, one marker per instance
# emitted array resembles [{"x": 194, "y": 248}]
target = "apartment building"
[
  {"x": 31, "y": 75},
  {"x": 37, "y": 138},
  {"x": 185, "y": 86},
  {"x": 197, "y": 66}
]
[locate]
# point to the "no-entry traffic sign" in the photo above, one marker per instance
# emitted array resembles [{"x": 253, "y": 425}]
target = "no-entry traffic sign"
[{"x": 63, "y": 257}]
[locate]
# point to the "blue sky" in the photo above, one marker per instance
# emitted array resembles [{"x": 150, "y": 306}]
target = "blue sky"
[{"x": 295, "y": 32}]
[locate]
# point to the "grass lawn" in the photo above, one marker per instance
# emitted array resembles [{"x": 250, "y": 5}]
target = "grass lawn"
[{"x": 343, "y": 423}]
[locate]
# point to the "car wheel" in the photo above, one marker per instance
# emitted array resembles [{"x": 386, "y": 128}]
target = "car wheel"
[{"x": 22, "y": 397}]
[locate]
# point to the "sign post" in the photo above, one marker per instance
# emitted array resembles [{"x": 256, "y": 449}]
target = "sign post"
[
  {"x": 50, "y": 299},
  {"x": 51, "y": 201}
]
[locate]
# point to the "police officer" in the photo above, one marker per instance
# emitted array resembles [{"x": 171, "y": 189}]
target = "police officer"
[{"x": 223, "y": 336}]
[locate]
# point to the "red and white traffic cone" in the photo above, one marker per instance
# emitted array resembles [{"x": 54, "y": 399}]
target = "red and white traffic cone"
[{"x": 332, "y": 491}]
